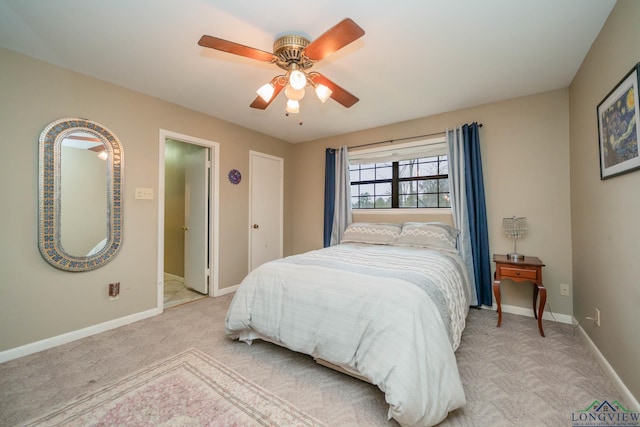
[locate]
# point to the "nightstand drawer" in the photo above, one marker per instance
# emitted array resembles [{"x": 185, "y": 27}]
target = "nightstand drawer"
[{"x": 518, "y": 273}]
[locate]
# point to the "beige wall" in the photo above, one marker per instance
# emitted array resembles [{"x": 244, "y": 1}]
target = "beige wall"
[
  {"x": 605, "y": 213},
  {"x": 367, "y": 216},
  {"x": 525, "y": 155},
  {"x": 38, "y": 301}
]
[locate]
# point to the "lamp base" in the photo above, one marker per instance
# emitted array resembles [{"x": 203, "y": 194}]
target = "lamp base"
[{"x": 515, "y": 257}]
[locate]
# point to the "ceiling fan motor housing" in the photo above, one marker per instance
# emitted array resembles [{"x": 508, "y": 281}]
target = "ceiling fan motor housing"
[{"x": 288, "y": 49}]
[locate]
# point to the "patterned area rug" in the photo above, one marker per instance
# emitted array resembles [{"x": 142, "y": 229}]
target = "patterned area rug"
[{"x": 189, "y": 389}]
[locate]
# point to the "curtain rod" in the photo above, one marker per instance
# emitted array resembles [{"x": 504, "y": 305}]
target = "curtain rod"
[{"x": 389, "y": 141}]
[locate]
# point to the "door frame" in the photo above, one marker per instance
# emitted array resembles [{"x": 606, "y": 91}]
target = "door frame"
[
  {"x": 214, "y": 209},
  {"x": 280, "y": 160}
]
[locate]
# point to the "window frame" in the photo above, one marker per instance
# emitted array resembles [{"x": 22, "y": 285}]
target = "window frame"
[{"x": 396, "y": 180}]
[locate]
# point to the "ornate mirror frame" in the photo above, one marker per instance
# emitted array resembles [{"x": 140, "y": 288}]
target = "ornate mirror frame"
[{"x": 49, "y": 201}]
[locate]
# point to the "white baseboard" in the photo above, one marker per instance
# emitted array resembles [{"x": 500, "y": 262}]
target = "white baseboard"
[
  {"x": 68, "y": 337},
  {"x": 528, "y": 312},
  {"x": 629, "y": 399}
]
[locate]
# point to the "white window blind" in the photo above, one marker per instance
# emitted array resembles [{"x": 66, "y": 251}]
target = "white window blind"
[{"x": 397, "y": 152}]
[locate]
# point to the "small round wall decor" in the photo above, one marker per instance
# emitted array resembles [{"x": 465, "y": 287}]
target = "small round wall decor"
[{"x": 234, "y": 176}]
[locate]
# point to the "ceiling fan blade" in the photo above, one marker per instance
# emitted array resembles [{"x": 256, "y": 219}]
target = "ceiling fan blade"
[
  {"x": 338, "y": 94},
  {"x": 235, "y": 48},
  {"x": 334, "y": 39},
  {"x": 278, "y": 82}
]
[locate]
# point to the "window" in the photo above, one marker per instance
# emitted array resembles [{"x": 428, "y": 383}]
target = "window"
[{"x": 414, "y": 183}]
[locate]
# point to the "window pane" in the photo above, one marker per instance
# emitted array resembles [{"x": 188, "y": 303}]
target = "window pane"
[
  {"x": 365, "y": 202},
  {"x": 445, "y": 200},
  {"x": 427, "y": 169},
  {"x": 408, "y": 201},
  {"x": 407, "y": 187},
  {"x": 383, "y": 202},
  {"x": 383, "y": 189},
  {"x": 384, "y": 172},
  {"x": 409, "y": 169},
  {"x": 428, "y": 201},
  {"x": 443, "y": 185},
  {"x": 354, "y": 175},
  {"x": 367, "y": 174},
  {"x": 428, "y": 186},
  {"x": 355, "y": 202},
  {"x": 444, "y": 166},
  {"x": 367, "y": 189}
]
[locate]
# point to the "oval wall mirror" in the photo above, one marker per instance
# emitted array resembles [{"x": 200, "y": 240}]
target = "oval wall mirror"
[{"x": 80, "y": 194}]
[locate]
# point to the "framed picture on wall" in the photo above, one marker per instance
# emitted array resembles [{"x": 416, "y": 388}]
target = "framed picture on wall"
[{"x": 618, "y": 121}]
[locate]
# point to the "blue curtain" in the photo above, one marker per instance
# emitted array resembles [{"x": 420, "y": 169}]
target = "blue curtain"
[
  {"x": 329, "y": 193},
  {"x": 478, "y": 231}
]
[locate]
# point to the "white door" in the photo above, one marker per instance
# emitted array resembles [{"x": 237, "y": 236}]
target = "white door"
[
  {"x": 196, "y": 228},
  {"x": 266, "y": 208}
]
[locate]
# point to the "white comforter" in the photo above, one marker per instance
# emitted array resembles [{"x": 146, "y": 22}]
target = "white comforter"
[{"x": 345, "y": 304}]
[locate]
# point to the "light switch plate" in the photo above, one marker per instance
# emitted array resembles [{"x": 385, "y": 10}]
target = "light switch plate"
[{"x": 144, "y": 193}]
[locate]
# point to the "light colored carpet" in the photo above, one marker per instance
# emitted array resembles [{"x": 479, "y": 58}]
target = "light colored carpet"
[
  {"x": 511, "y": 375},
  {"x": 189, "y": 389}
]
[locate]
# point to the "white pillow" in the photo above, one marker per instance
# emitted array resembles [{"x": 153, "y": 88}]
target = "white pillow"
[
  {"x": 433, "y": 235},
  {"x": 372, "y": 233}
]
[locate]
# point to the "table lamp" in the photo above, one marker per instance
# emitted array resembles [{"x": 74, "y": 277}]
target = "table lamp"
[{"x": 514, "y": 227}]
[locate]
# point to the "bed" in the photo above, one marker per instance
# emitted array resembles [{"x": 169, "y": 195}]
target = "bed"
[{"x": 388, "y": 305}]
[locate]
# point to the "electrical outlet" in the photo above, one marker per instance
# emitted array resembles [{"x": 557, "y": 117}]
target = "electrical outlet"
[
  {"x": 597, "y": 319},
  {"x": 114, "y": 291},
  {"x": 564, "y": 290}
]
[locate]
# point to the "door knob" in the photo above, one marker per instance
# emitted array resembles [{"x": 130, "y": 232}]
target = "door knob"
[
  {"x": 255, "y": 225},
  {"x": 185, "y": 227}
]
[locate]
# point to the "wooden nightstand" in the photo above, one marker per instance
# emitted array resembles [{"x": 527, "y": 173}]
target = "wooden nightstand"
[{"x": 528, "y": 269}]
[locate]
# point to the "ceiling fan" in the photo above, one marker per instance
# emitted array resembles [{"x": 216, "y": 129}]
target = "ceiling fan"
[{"x": 296, "y": 54}]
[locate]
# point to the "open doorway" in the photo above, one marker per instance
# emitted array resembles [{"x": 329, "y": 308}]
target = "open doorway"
[{"x": 188, "y": 212}]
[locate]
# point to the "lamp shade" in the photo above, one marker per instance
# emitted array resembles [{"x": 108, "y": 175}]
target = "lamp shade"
[
  {"x": 293, "y": 106},
  {"x": 323, "y": 92},
  {"x": 514, "y": 227},
  {"x": 297, "y": 79},
  {"x": 294, "y": 94},
  {"x": 266, "y": 91}
]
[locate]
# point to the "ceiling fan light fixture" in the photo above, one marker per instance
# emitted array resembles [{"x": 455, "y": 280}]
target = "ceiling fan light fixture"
[
  {"x": 103, "y": 155},
  {"x": 323, "y": 92},
  {"x": 293, "y": 106},
  {"x": 295, "y": 55},
  {"x": 266, "y": 91},
  {"x": 297, "y": 79},
  {"x": 294, "y": 94}
]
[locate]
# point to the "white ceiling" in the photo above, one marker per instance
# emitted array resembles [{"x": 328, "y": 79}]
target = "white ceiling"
[{"x": 417, "y": 58}]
